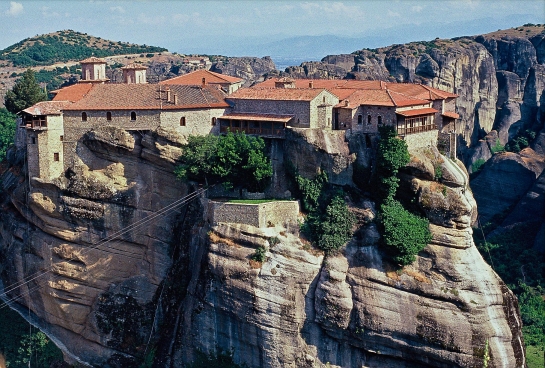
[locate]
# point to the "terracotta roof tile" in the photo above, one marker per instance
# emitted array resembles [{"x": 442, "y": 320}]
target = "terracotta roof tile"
[
  {"x": 47, "y": 108},
  {"x": 276, "y": 94},
  {"x": 416, "y": 112},
  {"x": 148, "y": 96},
  {"x": 132, "y": 66},
  {"x": 258, "y": 117},
  {"x": 195, "y": 78},
  {"x": 452, "y": 115},
  {"x": 401, "y": 99},
  {"x": 93, "y": 60},
  {"x": 324, "y": 83},
  {"x": 72, "y": 93}
]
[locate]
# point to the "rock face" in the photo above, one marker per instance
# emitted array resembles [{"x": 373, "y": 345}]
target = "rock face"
[
  {"x": 251, "y": 69},
  {"x": 498, "y": 77},
  {"x": 183, "y": 285}
]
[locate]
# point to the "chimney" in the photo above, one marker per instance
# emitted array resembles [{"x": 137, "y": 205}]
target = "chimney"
[
  {"x": 203, "y": 82},
  {"x": 311, "y": 84},
  {"x": 168, "y": 94},
  {"x": 175, "y": 99}
]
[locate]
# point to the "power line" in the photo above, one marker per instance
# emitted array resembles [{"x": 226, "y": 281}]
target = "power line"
[{"x": 104, "y": 241}]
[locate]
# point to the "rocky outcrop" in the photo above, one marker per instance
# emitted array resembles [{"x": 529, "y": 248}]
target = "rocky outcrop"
[
  {"x": 300, "y": 309},
  {"x": 251, "y": 69}
]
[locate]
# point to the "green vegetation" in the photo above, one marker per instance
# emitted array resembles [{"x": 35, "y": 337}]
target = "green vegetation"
[
  {"x": 236, "y": 160},
  {"x": 392, "y": 155},
  {"x": 260, "y": 254},
  {"x": 8, "y": 126},
  {"x": 520, "y": 265},
  {"x": 20, "y": 346},
  {"x": 404, "y": 233},
  {"x": 251, "y": 201},
  {"x": 477, "y": 165},
  {"x": 329, "y": 222},
  {"x": 25, "y": 93},
  {"x": 497, "y": 148},
  {"x": 67, "y": 45},
  {"x": 521, "y": 141}
]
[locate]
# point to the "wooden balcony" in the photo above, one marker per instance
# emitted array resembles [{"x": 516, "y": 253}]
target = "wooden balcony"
[{"x": 412, "y": 130}]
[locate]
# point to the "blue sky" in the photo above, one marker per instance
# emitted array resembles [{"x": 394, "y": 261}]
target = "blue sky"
[{"x": 227, "y": 26}]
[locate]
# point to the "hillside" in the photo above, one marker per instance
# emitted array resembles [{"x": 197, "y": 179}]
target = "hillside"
[{"x": 65, "y": 46}]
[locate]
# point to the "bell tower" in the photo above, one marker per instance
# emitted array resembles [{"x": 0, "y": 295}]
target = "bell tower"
[{"x": 93, "y": 70}]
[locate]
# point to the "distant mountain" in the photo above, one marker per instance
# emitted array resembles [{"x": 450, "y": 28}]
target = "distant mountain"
[{"x": 65, "y": 46}]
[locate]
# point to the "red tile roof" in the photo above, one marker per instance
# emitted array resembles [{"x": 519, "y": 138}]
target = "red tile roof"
[
  {"x": 72, "y": 93},
  {"x": 416, "y": 112},
  {"x": 148, "y": 96},
  {"x": 258, "y": 117},
  {"x": 401, "y": 99},
  {"x": 93, "y": 60},
  {"x": 136, "y": 66},
  {"x": 47, "y": 108},
  {"x": 375, "y": 97},
  {"x": 195, "y": 78},
  {"x": 323, "y": 83},
  {"x": 452, "y": 115},
  {"x": 276, "y": 94}
]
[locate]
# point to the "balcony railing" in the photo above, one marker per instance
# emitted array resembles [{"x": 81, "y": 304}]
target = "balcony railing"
[{"x": 412, "y": 130}]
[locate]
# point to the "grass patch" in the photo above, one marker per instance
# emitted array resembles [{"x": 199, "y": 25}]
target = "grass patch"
[{"x": 251, "y": 201}]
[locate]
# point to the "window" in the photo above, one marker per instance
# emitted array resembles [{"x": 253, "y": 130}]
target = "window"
[
  {"x": 133, "y": 115},
  {"x": 213, "y": 121},
  {"x": 380, "y": 120},
  {"x": 360, "y": 119},
  {"x": 182, "y": 121},
  {"x": 323, "y": 99},
  {"x": 109, "y": 116},
  {"x": 83, "y": 116},
  {"x": 368, "y": 119},
  {"x": 33, "y": 140},
  {"x": 56, "y": 156},
  {"x": 62, "y": 138},
  {"x": 328, "y": 121}
]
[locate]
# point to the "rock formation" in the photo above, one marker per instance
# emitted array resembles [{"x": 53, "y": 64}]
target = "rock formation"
[{"x": 185, "y": 285}]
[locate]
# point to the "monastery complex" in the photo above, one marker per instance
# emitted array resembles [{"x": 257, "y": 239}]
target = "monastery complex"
[{"x": 203, "y": 102}]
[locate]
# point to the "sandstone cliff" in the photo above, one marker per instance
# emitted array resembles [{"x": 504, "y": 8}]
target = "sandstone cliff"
[{"x": 180, "y": 284}]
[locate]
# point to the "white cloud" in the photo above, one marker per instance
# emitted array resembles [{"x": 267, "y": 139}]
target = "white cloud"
[
  {"x": 417, "y": 8},
  {"x": 47, "y": 13},
  {"x": 118, "y": 9},
  {"x": 15, "y": 8},
  {"x": 393, "y": 14}
]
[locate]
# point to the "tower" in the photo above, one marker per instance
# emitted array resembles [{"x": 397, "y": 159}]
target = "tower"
[
  {"x": 134, "y": 73},
  {"x": 93, "y": 70}
]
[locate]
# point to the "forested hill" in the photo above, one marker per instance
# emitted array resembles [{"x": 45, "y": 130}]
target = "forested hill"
[{"x": 66, "y": 46}]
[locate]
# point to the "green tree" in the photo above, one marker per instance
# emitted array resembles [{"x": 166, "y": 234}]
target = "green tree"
[
  {"x": 234, "y": 159},
  {"x": 335, "y": 226},
  {"x": 392, "y": 155},
  {"x": 8, "y": 126},
  {"x": 25, "y": 93},
  {"x": 405, "y": 234}
]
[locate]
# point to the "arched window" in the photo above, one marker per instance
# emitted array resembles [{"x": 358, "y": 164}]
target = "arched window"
[
  {"x": 109, "y": 116},
  {"x": 133, "y": 115},
  {"x": 83, "y": 116},
  {"x": 182, "y": 121},
  {"x": 213, "y": 121},
  {"x": 368, "y": 119},
  {"x": 360, "y": 119},
  {"x": 380, "y": 120}
]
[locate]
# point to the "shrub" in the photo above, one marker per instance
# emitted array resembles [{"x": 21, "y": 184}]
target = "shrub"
[
  {"x": 477, "y": 165},
  {"x": 260, "y": 254},
  {"x": 392, "y": 155},
  {"x": 232, "y": 159},
  {"x": 311, "y": 189},
  {"x": 497, "y": 148},
  {"x": 335, "y": 227},
  {"x": 405, "y": 234}
]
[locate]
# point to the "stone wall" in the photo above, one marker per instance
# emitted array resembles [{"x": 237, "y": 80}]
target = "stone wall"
[
  {"x": 321, "y": 110},
  {"x": 45, "y": 150},
  {"x": 421, "y": 140},
  {"x": 387, "y": 114},
  {"x": 300, "y": 109},
  {"x": 283, "y": 213},
  {"x": 197, "y": 121}
]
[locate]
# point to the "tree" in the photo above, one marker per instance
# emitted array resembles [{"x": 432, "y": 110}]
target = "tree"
[
  {"x": 233, "y": 160},
  {"x": 405, "y": 234},
  {"x": 335, "y": 227},
  {"x": 25, "y": 93},
  {"x": 7, "y": 131},
  {"x": 392, "y": 155}
]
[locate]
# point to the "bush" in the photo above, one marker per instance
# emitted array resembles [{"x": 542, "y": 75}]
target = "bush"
[
  {"x": 405, "y": 234},
  {"x": 497, "y": 148},
  {"x": 311, "y": 189},
  {"x": 392, "y": 155},
  {"x": 477, "y": 165},
  {"x": 259, "y": 254},
  {"x": 335, "y": 226},
  {"x": 233, "y": 160},
  {"x": 8, "y": 126}
]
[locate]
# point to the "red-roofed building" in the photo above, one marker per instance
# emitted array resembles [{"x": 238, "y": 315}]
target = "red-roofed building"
[{"x": 205, "y": 77}]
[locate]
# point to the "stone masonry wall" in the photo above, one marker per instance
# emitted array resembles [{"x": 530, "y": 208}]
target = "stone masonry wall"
[
  {"x": 421, "y": 140},
  {"x": 273, "y": 213},
  {"x": 301, "y": 109},
  {"x": 198, "y": 121},
  {"x": 387, "y": 113}
]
